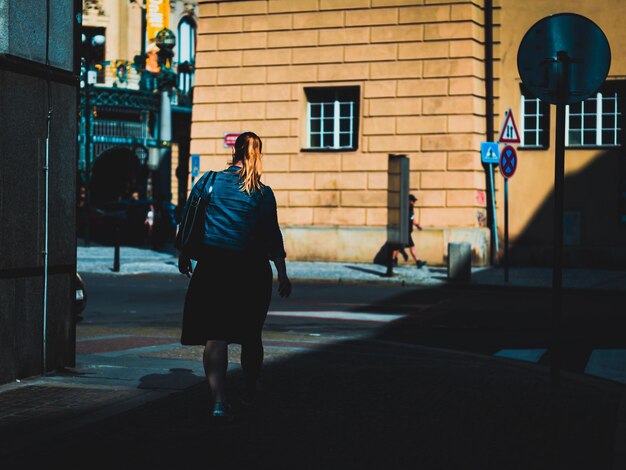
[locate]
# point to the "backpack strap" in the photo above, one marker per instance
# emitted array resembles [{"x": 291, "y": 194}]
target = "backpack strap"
[
  {"x": 190, "y": 211},
  {"x": 210, "y": 176}
]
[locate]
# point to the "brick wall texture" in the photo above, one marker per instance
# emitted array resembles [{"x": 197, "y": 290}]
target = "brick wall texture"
[{"x": 420, "y": 68}]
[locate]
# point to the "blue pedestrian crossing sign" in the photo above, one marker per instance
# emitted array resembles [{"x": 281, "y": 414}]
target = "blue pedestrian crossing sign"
[
  {"x": 489, "y": 152},
  {"x": 508, "y": 161},
  {"x": 195, "y": 165}
]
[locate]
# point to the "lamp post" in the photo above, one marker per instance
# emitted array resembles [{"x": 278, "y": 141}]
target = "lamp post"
[
  {"x": 89, "y": 78},
  {"x": 166, "y": 82}
]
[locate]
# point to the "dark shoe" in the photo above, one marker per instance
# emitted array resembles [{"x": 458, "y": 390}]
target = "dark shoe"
[
  {"x": 251, "y": 393},
  {"x": 249, "y": 400},
  {"x": 404, "y": 255},
  {"x": 222, "y": 412},
  {"x": 421, "y": 263}
]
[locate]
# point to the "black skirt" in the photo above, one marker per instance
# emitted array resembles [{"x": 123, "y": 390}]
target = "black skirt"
[{"x": 227, "y": 299}]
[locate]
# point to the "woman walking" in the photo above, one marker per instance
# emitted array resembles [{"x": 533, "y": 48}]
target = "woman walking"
[{"x": 231, "y": 287}]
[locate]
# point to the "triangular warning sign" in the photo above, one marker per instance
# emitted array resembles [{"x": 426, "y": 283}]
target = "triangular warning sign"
[{"x": 508, "y": 133}]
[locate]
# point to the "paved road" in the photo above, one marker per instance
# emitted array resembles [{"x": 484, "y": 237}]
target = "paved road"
[
  {"x": 381, "y": 400},
  {"x": 508, "y": 324}
]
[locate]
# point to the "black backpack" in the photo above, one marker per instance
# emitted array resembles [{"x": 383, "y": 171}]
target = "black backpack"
[{"x": 191, "y": 227}]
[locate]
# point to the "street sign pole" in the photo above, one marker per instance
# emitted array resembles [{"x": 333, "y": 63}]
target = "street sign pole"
[
  {"x": 489, "y": 155},
  {"x": 506, "y": 230},
  {"x": 508, "y": 135},
  {"x": 557, "y": 272},
  {"x": 508, "y": 165},
  {"x": 493, "y": 208},
  {"x": 562, "y": 66},
  {"x": 543, "y": 60}
]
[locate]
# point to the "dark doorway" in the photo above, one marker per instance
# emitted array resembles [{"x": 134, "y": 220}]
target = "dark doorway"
[
  {"x": 117, "y": 174},
  {"x": 120, "y": 212}
]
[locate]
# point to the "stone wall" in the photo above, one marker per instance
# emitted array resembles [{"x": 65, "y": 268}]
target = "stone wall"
[{"x": 28, "y": 90}]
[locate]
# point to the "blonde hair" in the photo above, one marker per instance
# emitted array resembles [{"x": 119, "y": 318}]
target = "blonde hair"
[{"x": 248, "y": 150}]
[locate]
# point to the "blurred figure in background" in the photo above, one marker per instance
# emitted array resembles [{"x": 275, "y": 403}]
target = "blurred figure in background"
[{"x": 410, "y": 245}]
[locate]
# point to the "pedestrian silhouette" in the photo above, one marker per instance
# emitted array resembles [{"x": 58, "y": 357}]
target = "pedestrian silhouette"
[
  {"x": 410, "y": 245},
  {"x": 231, "y": 287}
]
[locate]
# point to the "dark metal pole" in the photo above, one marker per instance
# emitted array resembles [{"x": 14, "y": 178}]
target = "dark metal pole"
[
  {"x": 489, "y": 116},
  {"x": 506, "y": 229},
  {"x": 87, "y": 156},
  {"x": 557, "y": 275},
  {"x": 494, "y": 219},
  {"x": 562, "y": 64},
  {"x": 116, "y": 254}
]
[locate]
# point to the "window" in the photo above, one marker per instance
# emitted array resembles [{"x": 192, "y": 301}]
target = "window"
[
  {"x": 186, "y": 53},
  {"x": 93, "y": 49},
  {"x": 332, "y": 118},
  {"x": 595, "y": 121},
  {"x": 535, "y": 122}
]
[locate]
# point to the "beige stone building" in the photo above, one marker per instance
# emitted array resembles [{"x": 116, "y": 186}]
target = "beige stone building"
[
  {"x": 120, "y": 21},
  {"x": 335, "y": 86}
]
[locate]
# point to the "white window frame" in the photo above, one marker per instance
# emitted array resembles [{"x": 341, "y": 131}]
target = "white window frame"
[
  {"x": 539, "y": 130},
  {"x": 600, "y": 99},
  {"x": 332, "y": 109}
]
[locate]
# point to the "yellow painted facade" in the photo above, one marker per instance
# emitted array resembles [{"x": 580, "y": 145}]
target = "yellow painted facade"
[
  {"x": 420, "y": 70},
  {"x": 594, "y": 177}
]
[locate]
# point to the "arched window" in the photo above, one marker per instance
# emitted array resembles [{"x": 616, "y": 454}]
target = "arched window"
[{"x": 186, "y": 53}]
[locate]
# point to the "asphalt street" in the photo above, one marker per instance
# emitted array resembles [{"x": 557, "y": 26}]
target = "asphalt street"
[
  {"x": 362, "y": 371},
  {"x": 516, "y": 324}
]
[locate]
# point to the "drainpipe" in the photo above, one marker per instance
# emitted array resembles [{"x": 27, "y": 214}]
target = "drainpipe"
[
  {"x": 46, "y": 200},
  {"x": 45, "y": 236},
  {"x": 489, "y": 116}
]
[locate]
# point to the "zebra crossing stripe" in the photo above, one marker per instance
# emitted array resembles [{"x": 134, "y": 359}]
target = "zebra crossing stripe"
[
  {"x": 347, "y": 316},
  {"x": 605, "y": 363},
  {"x": 608, "y": 363},
  {"x": 530, "y": 355}
]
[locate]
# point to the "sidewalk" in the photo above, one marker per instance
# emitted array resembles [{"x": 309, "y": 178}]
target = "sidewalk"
[
  {"x": 359, "y": 404},
  {"x": 142, "y": 261}
]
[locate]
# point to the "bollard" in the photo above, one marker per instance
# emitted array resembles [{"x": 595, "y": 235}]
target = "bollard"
[
  {"x": 116, "y": 256},
  {"x": 459, "y": 261}
]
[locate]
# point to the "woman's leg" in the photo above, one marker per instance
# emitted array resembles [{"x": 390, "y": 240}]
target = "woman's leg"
[
  {"x": 251, "y": 364},
  {"x": 215, "y": 361},
  {"x": 252, "y": 343}
]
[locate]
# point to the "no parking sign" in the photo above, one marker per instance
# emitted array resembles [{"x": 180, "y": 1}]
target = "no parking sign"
[{"x": 508, "y": 161}]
